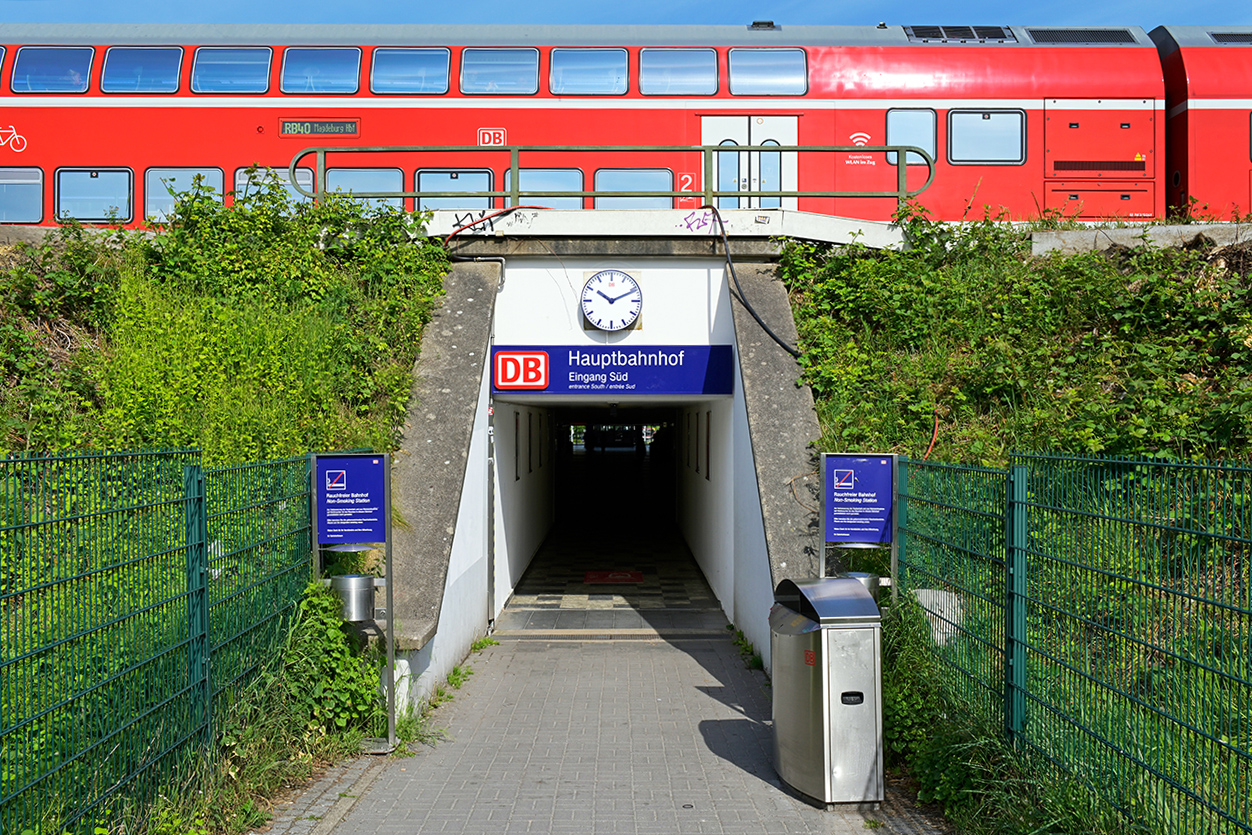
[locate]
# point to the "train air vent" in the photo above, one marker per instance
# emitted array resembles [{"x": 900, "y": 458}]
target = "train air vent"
[
  {"x": 959, "y": 34},
  {"x": 1100, "y": 165},
  {"x": 1232, "y": 37},
  {"x": 1081, "y": 36},
  {"x": 763, "y": 24}
]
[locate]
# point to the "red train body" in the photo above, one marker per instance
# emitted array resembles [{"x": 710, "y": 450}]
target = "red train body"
[
  {"x": 1208, "y": 93},
  {"x": 103, "y": 121}
]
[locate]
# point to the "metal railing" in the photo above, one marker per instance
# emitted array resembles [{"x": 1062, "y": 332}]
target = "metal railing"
[
  {"x": 708, "y": 153},
  {"x": 139, "y": 593},
  {"x": 1102, "y": 610}
]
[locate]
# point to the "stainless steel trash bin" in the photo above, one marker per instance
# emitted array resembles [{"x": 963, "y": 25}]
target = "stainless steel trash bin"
[{"x": 826, "y": 639}]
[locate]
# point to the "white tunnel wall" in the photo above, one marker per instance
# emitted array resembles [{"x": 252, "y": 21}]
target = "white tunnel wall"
[{"x": 525, "y": 487}]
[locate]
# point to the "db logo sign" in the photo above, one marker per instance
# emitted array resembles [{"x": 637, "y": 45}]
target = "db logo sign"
[
  {"x": 491, "y": 136},
  {"x": 521, "y": 370},
  {"x": 810, "y": 658}
]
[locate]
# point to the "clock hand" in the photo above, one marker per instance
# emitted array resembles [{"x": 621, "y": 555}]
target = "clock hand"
[
  {"x": 606, "y": 298},
  {"x": 622, "y": 296}
]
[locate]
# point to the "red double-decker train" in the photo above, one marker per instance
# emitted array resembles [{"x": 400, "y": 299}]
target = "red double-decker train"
[{"x": 104, "y": 123}]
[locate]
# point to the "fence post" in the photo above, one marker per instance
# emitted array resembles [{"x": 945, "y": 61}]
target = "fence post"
[
  {"x": 1015, "y": 533},
  {"x": 197, "y": 521},
  {"x": 900, "y": 541}
]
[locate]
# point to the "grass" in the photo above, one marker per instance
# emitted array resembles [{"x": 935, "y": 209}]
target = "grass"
[
  {"x": 960, "y": 761},
  {"x": 751, "y": 658}
]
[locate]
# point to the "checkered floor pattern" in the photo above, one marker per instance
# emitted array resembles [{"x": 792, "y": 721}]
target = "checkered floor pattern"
[{"x": 671, "y": 578}]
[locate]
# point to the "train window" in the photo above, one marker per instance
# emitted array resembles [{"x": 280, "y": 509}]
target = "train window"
[
  {"x": 326, "y": 70},
  {"x": 248, "y": 180},
  {"x": 368, "y": 179},
  {"x": 161, "y": 186},
  {"x": 768, "y": 72},
  {"x": 911, "y": 127},
  {"x": 547, "y": 179},
  {"x": 678, "y": 72},
  {"x": 231, "y": 69},
  {"x": 93, "y": 194},
  {"x": 52, "y": 69},
  {"x": 21, "y": 195},
  {"x": 410, "y": 71},
  {"x": 588, "y": 72},
  {"x": 986, "y": 136},
  {"x": 634, "y": 179},
  {"x": 442, "y": 180},
  {"x": 141, "y": 69},
  {"x": 500, "y": 71}
]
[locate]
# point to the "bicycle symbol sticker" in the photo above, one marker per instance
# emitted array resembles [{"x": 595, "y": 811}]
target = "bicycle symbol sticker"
[{"x": 12, "y": 138}]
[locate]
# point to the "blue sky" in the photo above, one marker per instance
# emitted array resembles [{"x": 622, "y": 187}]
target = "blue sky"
[{"x": 1145, "y": 13}]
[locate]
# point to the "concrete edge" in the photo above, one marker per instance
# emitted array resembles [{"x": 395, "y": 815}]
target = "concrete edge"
[{"x": 349, "y": 799}]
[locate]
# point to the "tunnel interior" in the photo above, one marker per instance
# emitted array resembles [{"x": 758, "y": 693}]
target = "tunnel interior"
[{"x": 614, "y": 555}]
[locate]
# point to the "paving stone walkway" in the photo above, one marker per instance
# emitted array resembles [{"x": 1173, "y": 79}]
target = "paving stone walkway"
[{"x": 606, "y": 709}]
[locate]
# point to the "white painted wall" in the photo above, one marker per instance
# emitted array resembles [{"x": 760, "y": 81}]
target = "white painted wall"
[
  {"x": 525, "y": 488},
  {"x": 685, "y": 302},
  {"x": 706, "y": 490}
]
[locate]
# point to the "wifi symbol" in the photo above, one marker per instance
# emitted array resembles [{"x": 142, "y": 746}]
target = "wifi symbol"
[{"x": 859, "y": 139}]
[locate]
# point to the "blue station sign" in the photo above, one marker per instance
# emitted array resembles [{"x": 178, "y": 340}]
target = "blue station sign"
[
  {"x": 613, "y": 369},
  {"x": 858, "y": 492},
  {"x": 352, "y": 498}
]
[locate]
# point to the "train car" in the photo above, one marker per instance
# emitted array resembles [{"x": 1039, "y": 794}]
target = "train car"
[
  {"x": 1208, "y": 93},
  {"x": 101, "y": 123}
]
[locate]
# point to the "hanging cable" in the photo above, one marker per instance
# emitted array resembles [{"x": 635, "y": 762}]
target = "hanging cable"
[{"x": 730, "y": 265}]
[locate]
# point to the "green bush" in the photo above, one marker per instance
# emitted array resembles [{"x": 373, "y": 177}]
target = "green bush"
[
  {"x": 254, "y": 331},
  {"x": 1131, "y": 351}
]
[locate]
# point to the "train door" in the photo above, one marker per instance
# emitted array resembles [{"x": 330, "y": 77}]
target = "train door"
[{"x": 755, "y": 170}]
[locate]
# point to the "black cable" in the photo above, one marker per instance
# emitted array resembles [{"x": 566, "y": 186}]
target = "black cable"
[{"x": 730, "y": 265}]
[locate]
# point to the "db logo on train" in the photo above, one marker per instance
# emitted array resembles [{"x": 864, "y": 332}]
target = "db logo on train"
[{"x": 521, "y": 370}]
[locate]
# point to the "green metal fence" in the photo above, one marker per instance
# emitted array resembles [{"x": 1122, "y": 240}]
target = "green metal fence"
[
  {"x": 1102, "y": 610},
  {"x": 138, "y": 593}
]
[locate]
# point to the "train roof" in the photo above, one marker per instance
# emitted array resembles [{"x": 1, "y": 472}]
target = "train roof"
[
  {"x": 1172, "y": 38},
  {"x": 762, "y": 33}
]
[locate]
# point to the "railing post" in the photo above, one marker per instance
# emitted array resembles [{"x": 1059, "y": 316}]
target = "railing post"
[
  {"x": 515, "y": 177},
  {"x": 708, "y": 177},
  {"x": 1016, "y": 532},
  {"x": 196, "y": 519},
  {"x": 902, "y": 177}
]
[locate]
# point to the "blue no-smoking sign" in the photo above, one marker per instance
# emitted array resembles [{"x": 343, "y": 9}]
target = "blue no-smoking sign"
[
  {"x": 352, "y": 498},
  {"x": 857, "y": 498}
]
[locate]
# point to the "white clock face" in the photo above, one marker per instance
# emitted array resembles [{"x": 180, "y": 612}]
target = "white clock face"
[{"x": 611, "y": 300}]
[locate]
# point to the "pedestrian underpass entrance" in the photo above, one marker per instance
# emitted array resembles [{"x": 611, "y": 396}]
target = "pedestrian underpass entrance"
[
  {"x": 627, "y": 453},
  {"x": 614, "y": 563}
]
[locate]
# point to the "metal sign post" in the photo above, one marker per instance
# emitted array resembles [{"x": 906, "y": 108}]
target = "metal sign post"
[
  {"x": 859, "y": 502},
  {"x": 352, "y": 512}
]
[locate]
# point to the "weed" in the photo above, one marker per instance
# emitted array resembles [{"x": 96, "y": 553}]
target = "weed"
[
  {"x": 482, "y": 643},
  {"x": 751, "y": 658},
  {"x": 458, "y": 675}
]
